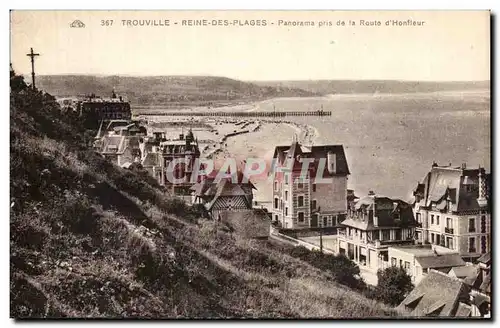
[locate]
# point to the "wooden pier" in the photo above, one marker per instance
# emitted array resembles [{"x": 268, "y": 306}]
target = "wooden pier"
[{"x": 238, "y": 114}]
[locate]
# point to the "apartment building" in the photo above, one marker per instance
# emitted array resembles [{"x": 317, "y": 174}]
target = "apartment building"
[
  {"x": 372, "y": 225},
  {"x": 418, "y": 260},
  {"x": 315, "y": 199},
  {"x": 452, "y": 208}
]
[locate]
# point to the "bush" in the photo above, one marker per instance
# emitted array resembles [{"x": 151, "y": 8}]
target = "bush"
[
  {"x": 393, "y": 285},
  {"x": 343, "y": 270}
]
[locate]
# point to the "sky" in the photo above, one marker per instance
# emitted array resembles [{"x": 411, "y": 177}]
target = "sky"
[{"x": 449, "y": 46}]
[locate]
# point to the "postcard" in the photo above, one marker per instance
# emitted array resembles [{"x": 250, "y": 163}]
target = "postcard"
[{"x": 250, "y": 164}]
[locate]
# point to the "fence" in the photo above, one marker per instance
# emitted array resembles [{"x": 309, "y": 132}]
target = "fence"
[{"x": 238, "y": 114}]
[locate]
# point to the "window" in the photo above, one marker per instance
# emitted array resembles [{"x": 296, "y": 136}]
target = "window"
[
  {"x": 449, "y": 223},
  {"x": 419, "y": 218},
  {"x": 432, "y": 218},
  {"x": 472, "y": 225},
  {"x": 286, "y": 210},
  {"x": 300, "y": 201},
  {"x": 286, "y": 195},
  {"x": 314, "y": 187},
  {"x": 300, "y": 185},
  {"x": 301, "y": 217},
  {"x": 407, "y": 265},
  {"x": 386, "y": 235},
  {"x": 393, "y": 261},
  {"x": 400, "y": 263},
  {"x": 437, "y": 219},
  {"x": 398, "y": 234},
  {"x": 286, "y": 178},
  {"x": 483, "y": 224},
  {"x": 432, "y": 238},
  {"x": 449, "y": 242},
  {"x": 276, "y": 203},
  {"x": 438, "y": 239},
  {"x": 483, "y": 244},
  {"x": 276, "y": 217},
  {"x": 275, "y": 185},
  {"x": 472, "y": 245},
  {"x": 313, "y": 204},
  {"x": 325, "y": 221}
]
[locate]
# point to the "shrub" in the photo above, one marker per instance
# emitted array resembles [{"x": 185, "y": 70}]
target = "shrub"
[{"x": 393, "y": 285}]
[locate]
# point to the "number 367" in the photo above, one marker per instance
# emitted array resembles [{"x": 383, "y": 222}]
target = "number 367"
[{"x": 107, "y": 22}]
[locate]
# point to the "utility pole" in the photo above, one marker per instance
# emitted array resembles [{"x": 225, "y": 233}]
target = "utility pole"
[
  {"x": 321, "y": 240},
  {"x": 32, "y": 55}
]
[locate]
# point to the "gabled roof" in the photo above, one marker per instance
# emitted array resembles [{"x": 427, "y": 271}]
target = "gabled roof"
[
  {"x": 436, "y": 295},
  {"x": 389, "y": 213},
  {"x": 440, "y": 261},
  {"x": 446, "y": 183},
  {"x": 316, "y": 152},
  {"x": 225, "y": 188},
  {"x": 465, "y": 271},
  {"x": 486, "y": 284},
  {"x": 485, "y": 258},
  {"x": 111, "y": 144}
]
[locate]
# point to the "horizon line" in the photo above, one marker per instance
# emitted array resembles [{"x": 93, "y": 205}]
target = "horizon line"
[{"x": 254, "y": 80}]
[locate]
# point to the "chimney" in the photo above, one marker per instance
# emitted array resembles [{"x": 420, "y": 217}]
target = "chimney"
[
  {"x": 434, "y": 164},
  {"x": 482, "y": 201},
  {"x": 371, "y": 193},
  {"x": 464, "y": 166},
  {"x": 332, "y": 162}
]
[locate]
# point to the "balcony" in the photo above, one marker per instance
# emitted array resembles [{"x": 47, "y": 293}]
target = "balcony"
[
  {"x": 448, "y": 230},
  {"x": 419, "y": 224}
]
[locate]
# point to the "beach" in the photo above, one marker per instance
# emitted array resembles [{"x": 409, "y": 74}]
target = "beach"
[{"x": 390, "y": 141}]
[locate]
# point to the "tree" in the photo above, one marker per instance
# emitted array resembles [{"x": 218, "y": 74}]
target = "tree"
[{"x": 393, "y": 285}]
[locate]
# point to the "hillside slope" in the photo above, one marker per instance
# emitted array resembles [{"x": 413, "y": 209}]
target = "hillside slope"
[
  {"x": 89, "y": 239},
  {"x": 326, "y": 87},
  {"x": 164, "y": 90}
]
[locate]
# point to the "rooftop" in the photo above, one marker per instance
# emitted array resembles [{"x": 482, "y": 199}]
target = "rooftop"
[
  {"x": 424, "y": 250},
  {"x": 453, "y": 188},
  {"x": 295, "y": 151},
  {"x": 437, "y": 295}
]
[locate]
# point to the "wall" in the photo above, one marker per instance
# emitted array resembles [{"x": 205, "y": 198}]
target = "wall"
[
  {"x": 460, "y": 225},
  {"x": 331, "y": 197}
]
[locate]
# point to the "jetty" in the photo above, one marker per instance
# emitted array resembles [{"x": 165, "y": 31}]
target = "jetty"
[{"x": 237, "y": 114}]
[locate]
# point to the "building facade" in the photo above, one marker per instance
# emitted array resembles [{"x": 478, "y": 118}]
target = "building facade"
[
  {"x": 452, "y": 208},
  {"x": 119, "y": 142},
  {"x": 185, "y": 148},
  {"x": 223, "y": 195},
  {"x": 300, "y": 199},
  {"x": 418, "y": 260},
  {"x": 372, "y": 225}
]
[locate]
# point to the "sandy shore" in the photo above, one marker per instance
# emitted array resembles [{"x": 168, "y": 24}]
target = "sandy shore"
[{"x": 222, "y": 138}]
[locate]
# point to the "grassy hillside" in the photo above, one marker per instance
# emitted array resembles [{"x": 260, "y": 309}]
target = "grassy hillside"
[
  {"x": 326, "y": 87},
  {"x": 89, "y": 239},
  {"x": 164, "y": 90}
]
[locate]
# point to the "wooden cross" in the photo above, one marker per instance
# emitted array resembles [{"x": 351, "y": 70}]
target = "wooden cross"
[{"x": 32, "y": 55}]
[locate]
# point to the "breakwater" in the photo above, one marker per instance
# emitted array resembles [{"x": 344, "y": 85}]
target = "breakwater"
[{"x": 238, "y": 114}]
